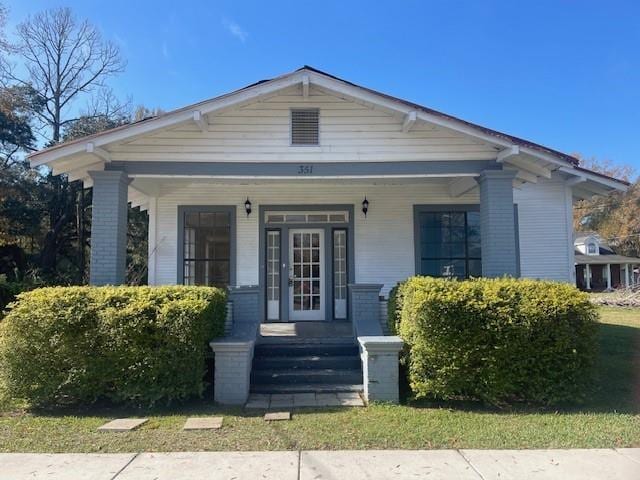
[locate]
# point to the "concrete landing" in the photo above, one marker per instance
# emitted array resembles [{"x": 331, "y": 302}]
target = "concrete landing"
[{"x": 302, "y": 400}]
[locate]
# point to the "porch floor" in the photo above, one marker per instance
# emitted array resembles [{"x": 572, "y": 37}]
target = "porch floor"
[{"x": 306, "y": 332}]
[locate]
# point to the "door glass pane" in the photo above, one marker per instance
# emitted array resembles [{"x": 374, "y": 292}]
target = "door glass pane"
[
  {"x": 273, "y": 265},
  {"x": 340, "y": 273},
  {"x": 306, "y": 271}
]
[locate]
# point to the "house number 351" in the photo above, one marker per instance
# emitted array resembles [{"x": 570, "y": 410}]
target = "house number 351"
[{"x": 305, "y": 169}]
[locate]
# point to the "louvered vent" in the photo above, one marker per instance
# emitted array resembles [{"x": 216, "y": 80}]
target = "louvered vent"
[{"x": 304, "y": 127}]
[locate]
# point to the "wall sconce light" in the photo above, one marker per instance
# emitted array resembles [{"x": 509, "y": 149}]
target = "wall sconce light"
[
  {"x": 247, "y": 206},
  {"x": 365, "y": 206}
]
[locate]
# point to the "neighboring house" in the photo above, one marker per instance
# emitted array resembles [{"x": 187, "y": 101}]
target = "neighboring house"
[
  {"x": 312, "y": 197},
  {"x": 599, "y": 268}
]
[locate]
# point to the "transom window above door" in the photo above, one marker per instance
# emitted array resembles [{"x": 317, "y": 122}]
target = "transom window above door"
[{"x": 278, "y": 218}]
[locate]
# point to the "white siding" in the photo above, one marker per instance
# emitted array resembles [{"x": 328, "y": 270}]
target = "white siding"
[
  {"x": 384, "y": 247},
  {"x": 546, "y": 236},
  {"x": 260, "y": 132}
]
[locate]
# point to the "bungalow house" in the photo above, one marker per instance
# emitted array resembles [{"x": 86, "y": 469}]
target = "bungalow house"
[
  {"x": 310, "y": 197},
  {"x": 599, "y": 268}
]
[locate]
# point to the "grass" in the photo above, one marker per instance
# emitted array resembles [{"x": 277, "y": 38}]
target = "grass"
[{"x": 611, "y": 418}]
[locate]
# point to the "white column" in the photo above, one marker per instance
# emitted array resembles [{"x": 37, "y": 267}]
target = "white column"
[
  {"x": 587, "y": 274},
  {"x": 152, "y": 244},
  {"x": 626, "y": 275},
  {"x": 608, "y": 276}
]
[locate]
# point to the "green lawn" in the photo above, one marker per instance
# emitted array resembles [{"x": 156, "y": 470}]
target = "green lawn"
[{"x": 611, "y": 418}]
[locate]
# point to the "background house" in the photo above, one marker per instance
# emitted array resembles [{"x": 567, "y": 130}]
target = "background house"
[{"x": 598, "y": 267}]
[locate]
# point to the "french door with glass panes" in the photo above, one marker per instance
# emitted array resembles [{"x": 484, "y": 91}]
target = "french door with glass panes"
[{"x": 306, "y": 274}]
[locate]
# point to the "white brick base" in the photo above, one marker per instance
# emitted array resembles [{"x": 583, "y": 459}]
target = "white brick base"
[
  {"x": 232, "y": 371},
  {"x": 380, "y": 367}
]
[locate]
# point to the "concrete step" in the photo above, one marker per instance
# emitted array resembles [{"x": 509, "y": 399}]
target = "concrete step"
[
  {"x": 307, "y": 388},
  {"x": 306, "y": 362},
  {"x": 297, "y": 350},
  {"x": 300, "y": 376}
]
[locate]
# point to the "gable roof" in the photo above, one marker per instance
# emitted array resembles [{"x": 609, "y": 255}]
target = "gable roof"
[{"x": 92, "y": 143}]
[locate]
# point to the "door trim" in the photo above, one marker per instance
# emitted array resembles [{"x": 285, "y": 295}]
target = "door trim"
[{"x": 327, "y": 227}]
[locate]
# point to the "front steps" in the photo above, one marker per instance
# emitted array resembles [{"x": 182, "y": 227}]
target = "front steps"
[{"x": 286, "y": 367}]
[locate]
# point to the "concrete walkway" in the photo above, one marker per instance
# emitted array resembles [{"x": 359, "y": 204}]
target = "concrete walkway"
[{"x": 605, "y": 464}]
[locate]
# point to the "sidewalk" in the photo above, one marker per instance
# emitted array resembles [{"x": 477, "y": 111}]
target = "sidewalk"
[{"x": 618, "y": 464}]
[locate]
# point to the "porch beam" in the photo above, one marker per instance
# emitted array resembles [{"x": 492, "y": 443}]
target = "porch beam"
[
  {"x": 98, "y": 152},
  {"x": 462, "y": 185},
  {"x": 471, "y": 168},
  {"x": 530, "y": 167},
  {"x": 507, "y": 153},
  {"x": 200, "y": 120},
  {"x": 409, "y": 121}
]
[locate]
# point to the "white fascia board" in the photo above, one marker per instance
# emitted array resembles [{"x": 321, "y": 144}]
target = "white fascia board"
[
  {"x": 170, "y": 119},
  {"x": 597, "y": 179}
]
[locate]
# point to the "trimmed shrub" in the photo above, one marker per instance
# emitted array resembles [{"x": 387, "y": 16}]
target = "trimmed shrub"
[
  {"x": 496, "y": 340},
  {"x": 140, "y": 345}
]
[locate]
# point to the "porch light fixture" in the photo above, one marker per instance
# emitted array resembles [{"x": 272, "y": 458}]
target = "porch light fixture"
[
  {"x": 365, "y": 206},
  {"x": 247, "y": 206}
]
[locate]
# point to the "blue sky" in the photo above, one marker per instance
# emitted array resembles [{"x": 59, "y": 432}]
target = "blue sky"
[{"x": 562, "y": 73}]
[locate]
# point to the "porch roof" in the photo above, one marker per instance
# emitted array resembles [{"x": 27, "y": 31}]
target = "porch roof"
[
  {"x": 76, "y": 158},
  {"x": 604, "y": 259}
]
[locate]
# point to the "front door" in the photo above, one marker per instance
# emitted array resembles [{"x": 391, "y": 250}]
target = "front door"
[{"x": 306, "y": 274}]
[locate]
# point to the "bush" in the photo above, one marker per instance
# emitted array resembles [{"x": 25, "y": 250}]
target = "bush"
[
  {"x": 496, "y": 340},
  {"x": 8, "y": 292},
  {"x": 140, "y": 345}
]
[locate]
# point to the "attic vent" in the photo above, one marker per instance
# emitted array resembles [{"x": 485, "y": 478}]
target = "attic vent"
[{"x": 304, "y": 127}]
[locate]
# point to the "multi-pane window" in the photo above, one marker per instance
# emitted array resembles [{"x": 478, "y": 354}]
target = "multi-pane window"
[
  {"x": 207, "y": 248},
  {"x": 450, "y": 244},
  {"x": 273, "y": 274},
  {"x": 340, "y": 273}
]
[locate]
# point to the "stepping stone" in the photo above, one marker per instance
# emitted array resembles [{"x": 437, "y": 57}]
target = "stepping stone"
[
  {"x": 122, "y": 425},
  {"x": 277, "y": 416},
  {"x": 203, "y": 423}
]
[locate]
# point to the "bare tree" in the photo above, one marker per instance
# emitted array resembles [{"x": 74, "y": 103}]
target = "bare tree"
[{"x": 64, "y": 59}]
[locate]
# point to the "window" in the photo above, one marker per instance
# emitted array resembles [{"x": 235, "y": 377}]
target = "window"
[
  {"x": 304, "y": 217},
  {"x": 340, "y": 273},
  {"x": 592, "y": 248},
  {"x": 305, "y": 127},
  {"x": 207, "y": 248},
  {"x": 449, "y": 244}
]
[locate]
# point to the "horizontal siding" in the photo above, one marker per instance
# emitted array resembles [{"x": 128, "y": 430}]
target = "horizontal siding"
[
  {"x": 383, "y": 240},
  {"x": 545, "y": 233},
  {"x": 260, "y": 131}
]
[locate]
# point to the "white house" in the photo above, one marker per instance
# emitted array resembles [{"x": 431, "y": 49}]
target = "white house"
[
  {"x": 598, "y": 267},
  {"x": 312, "y": 197}
]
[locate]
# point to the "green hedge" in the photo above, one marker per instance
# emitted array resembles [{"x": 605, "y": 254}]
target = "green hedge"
[
  {"x": 140, "y": 345},
  {"x": 496, "y": 340}
]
